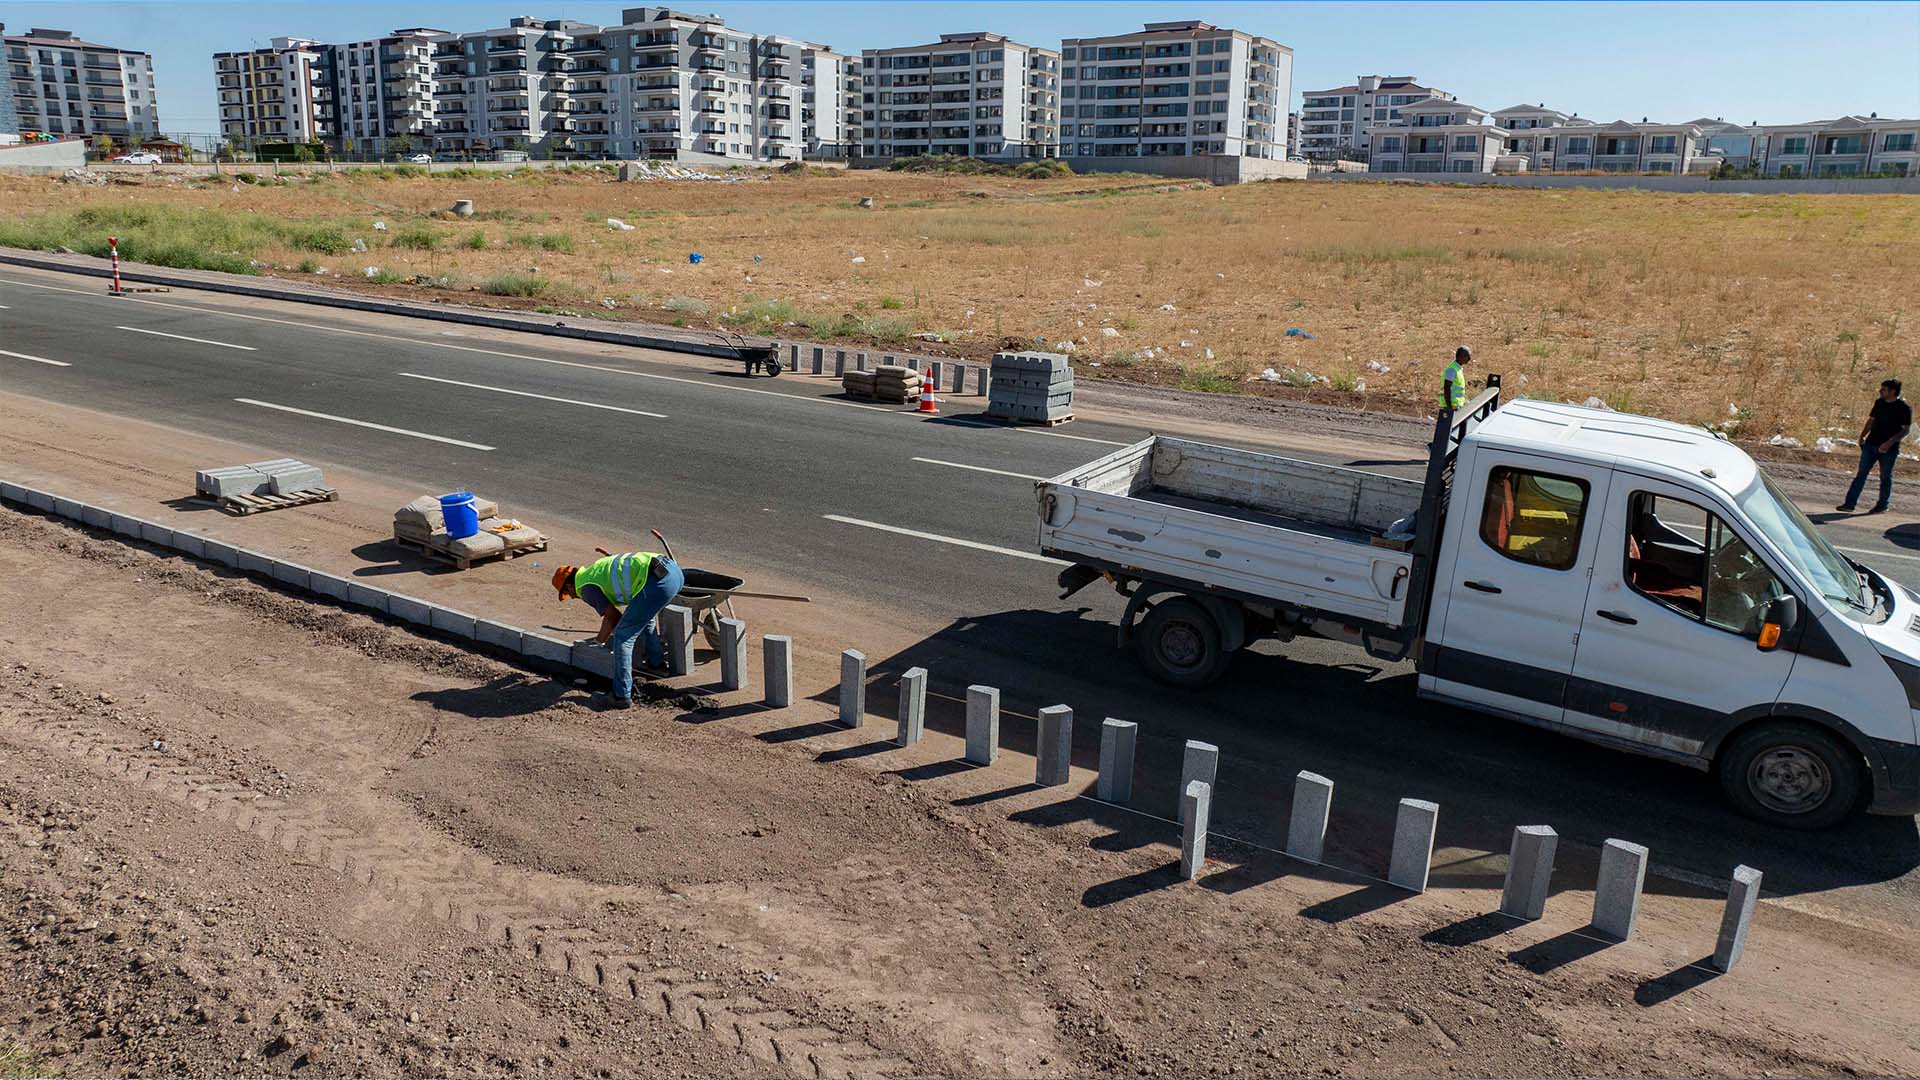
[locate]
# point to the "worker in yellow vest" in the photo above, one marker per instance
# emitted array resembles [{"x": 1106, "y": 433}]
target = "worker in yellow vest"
[
  {"x": 1453, "y": 393},
  {"x": 643, "y": 583}
]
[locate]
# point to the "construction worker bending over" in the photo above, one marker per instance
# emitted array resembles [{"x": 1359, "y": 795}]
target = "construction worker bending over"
[
  {"x": 1453, "y": 393},
  {"x": 643, "y": 583}
]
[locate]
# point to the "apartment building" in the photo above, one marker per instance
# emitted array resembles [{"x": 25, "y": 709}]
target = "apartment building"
[
  {"x": 1334, "y": 122},
  {"x": 62, "y": 85},
  {"x": 1532, "y": 131},
  {"x": 1848, "y": 146},
  {"x": 9, "y": 112},
  {"x": 509, "y": 88},
  {"x": 376, "y": 96},
  {"x": 829, "y": 103},
  {"x": 1174, "y": 90},
  {"x": 1625, "y": 147},
  {"x": 973, "y": 94},
  {"x": 275, "y": 94},
  {"x": 1436, "y": 135}
]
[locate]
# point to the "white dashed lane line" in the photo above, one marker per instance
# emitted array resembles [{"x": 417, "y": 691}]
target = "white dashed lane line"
[
  {"x": 528, "y": 394},
  {"x": 363, "y": 423}
]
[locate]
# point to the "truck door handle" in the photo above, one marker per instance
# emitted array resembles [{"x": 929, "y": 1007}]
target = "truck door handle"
[
  {"x": 1619, "y": 618},
  {"x": 1481, "y": 586}
]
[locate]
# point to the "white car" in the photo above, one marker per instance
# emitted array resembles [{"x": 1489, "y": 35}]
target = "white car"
[
  {"x": 420, "y": 159},
  {"x": 138, "y": 159}
]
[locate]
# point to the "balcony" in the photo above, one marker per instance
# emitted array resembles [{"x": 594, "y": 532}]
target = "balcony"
[
  {"x": 657, "y": 105},
  {"x": 506, "y": 45},
  {"x": 706, "y": 43}
]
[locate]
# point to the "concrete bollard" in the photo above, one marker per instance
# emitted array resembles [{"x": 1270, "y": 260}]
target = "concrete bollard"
[
  {"x": 1529, "y": 870},
  {"x": 1616, "y": 896},
  {"x": 1200, "y": 762},
  {"x": 1196, "y": 806},
  {"x": 983, "y": 725},
  {"x": 859, "y": 361},
  {"x": 733, "y": 654},
  {"x": 1412, "y": 857},
  {"x": 913, "y": 706},
  {"x": 1741, "y": 899},
  {"x": 676, "y": 632},
  {"x": 839, "y": 362},
  {"x": 939, "y": 368},
  {"x": 819, "y": 360},
  {"x": 793, "y": 359},
  {"x": 776, "y": 662},
  {"x": 1053, "y": 764},
  {"x": 956, "y": 383},
  {"x": 1307, "y": 828},
  {"x": 980, "y": 384},
  {"x": 853, "y": 688},
  {"x": 1117, "y": 740}
]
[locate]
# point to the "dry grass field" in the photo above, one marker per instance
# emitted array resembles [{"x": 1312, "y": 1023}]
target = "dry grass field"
[{"x": 1775, "y": 314}]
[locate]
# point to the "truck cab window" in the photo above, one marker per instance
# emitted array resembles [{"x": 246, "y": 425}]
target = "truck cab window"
[
  {"x": 1534, "y": 517},
  {"x": 1685, "y": 558}
]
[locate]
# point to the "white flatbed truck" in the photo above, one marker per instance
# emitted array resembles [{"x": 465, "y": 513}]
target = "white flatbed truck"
[{"x": 1630, "y": 581}]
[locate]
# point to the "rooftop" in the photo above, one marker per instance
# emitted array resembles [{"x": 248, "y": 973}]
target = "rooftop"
[
  {"x": 62, "y": 39},
  {"x": 1607, "y": 438}
]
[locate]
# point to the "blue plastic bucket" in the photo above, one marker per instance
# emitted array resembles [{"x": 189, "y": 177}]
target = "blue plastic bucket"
[{"x": 461, "y": 520}]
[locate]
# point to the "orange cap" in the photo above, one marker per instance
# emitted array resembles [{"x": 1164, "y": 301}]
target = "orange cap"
[{"x": 562, "y": 581}]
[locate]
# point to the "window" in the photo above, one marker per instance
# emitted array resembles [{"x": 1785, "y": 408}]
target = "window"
[
  {"x": 1460, "y": 166},
  {"x": 1466, "y": 144},
  {"x": 1663, "y": 144},
  {"x": 1898, "y": 142},
  {"x": 1843, "y": 144},
  {"x": 1685, "y": 558},
  {"x": 1796, "y": 145},
  {"x": 1533, "y": 517}
]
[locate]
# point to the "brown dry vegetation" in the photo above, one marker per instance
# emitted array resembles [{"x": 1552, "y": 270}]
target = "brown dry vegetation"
[{"x": 1783, "y": 309}]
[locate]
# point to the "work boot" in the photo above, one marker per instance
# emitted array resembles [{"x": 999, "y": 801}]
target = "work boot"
[
  {"x": 1845, "y": 508},
  {"x": 1878, "y": 508},
  {"x": 604, "y": 702}
]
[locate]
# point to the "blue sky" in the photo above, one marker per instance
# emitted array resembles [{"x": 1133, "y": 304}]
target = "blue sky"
[{"x": 1771, "y": 62}]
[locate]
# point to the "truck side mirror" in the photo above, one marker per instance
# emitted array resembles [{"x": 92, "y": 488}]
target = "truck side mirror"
[{"x": 1779, "y": 615}]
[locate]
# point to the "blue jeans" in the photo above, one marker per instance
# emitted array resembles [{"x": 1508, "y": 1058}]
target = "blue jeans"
[
  {"x": 637, "y": 622},
  {"x": 1868, "y": 456}
]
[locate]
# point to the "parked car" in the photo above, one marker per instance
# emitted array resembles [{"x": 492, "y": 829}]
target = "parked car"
[
  {"x": 420, "y": 159},
  {"x": 138, "y": 159}
]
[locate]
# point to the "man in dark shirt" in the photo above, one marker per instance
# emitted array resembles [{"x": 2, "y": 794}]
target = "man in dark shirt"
[{"x": 1888, "y": 423}]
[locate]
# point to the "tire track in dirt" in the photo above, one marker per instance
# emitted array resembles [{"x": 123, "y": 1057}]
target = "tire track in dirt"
[{"x": 489, "y": 903}]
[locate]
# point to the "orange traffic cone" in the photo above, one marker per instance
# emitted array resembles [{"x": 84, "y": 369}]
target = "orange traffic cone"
[{"x": 927, "y": 404}]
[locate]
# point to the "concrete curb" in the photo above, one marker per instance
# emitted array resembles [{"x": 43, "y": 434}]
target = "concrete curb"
[{"x": 420, "y": 614}]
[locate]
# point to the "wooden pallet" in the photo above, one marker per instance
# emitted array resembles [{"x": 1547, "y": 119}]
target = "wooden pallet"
[
  {"x": 511, "y": 552},
  {"x": 1055, "y": 422},
  {"x": 254, "y": 504}
]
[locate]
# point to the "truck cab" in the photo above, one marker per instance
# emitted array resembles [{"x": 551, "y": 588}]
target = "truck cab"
[{"x": 1644, "y": 584}]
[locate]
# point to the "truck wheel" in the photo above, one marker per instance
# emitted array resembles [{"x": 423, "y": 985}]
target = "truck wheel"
[
  {"x": 1180, "y": 643},
  {"x": 1793, "y": 775}
]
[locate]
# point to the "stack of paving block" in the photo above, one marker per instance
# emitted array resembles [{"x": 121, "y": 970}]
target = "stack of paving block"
[
  {"x": 1035, "y": 387},
  {"x": 888, "y": 382},
  {"x": 422, "y": 522},
  {"x": 281, "y": 476}
]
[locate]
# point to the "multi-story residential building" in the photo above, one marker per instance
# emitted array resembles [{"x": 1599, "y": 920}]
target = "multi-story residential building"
[
  {"x": 1848, "y": 146},
  {"x": 1532, "y": 132},
  {"x": 853, "y": 92},
  {"x": 508, "y": 88},
  {"x": 829, "y": 122},
  {"x": 1175, "y": 90},
  {"x": 1730, "y": 144},
  {"x": 1436, "y": 135},
  {"x": 64, "y": 86},
  {"x": 376, "y": 97},
  {"x": 1334, "y": 123},
  {"x": 1625, "y": 147},
  {"x": 9, "y": 113},
  {"x": 1293, "y": 133},
  {"x": 276, "y": 94},
  {"x": 973, "y": 94}
]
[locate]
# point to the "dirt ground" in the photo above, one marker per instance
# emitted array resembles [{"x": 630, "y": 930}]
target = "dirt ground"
[
  {"x": 1766, "y": 314},
  {"x": 346, "y": 850}
]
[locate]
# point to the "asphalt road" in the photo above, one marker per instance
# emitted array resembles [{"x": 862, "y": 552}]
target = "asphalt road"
[{"x": 932, "y": 518}]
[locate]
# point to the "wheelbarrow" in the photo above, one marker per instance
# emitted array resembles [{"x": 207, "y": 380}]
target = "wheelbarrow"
[
  {"x": 758, "y": 358},
  {"x": 709, "y": 595}
]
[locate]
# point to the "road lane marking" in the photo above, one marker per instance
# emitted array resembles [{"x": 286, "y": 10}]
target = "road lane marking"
[
  {"x": 1875, "y": 554},
  {"x": 471, "y": 348},
  {"x": 979, "y": 468},
  {"x": 542, "y": 397},
  {"x": 939, "y": 539},
  {"x": 961, "y": 421},
  {"x": 183, "y": 337},
  {"x": 362, "y": 423},
  {"x": 35, "y": 359}
]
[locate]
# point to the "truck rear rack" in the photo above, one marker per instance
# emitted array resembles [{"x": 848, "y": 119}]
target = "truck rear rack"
[{"x": 1450, "y": 428}]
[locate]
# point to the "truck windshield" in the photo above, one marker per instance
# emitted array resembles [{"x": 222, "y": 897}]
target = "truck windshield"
[{"x": 1780, "y": 521}]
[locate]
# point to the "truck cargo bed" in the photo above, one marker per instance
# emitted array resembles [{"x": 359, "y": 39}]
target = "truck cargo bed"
[{"x": 1263, "y": 528}]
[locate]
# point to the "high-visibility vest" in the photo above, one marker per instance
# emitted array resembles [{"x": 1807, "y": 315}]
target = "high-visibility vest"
[
  {"x": 619, "y": 577},
  {"x": 1454, "y": 393}
]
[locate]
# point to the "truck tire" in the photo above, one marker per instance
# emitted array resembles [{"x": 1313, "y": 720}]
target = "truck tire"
[
  {"x": 1180, "y": 643},
  {"x": 1792, "y": 774}
]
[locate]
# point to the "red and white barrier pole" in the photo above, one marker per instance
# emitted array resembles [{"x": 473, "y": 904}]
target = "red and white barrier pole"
[{"x": 113, "y": 249}]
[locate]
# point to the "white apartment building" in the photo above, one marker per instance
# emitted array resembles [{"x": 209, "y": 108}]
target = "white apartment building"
[
  {"x": 1334, "y": 123},
  {"x": 508, "y": 88},
  {"x": 1625, "y": 147},
  {"x": 376, "y": 96},
  {"x": 274, "y": 94},
  {"x": 1436, "y": 135},
  {"x": 1532, "y": 131},
  {"x": 829, "y": 103},
  {"x": 1175, "y": 90},
  {"x": 973, "y": 94},
  {"x": 62, "y": 85},
  {"x": 1848, "y": 146}
]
